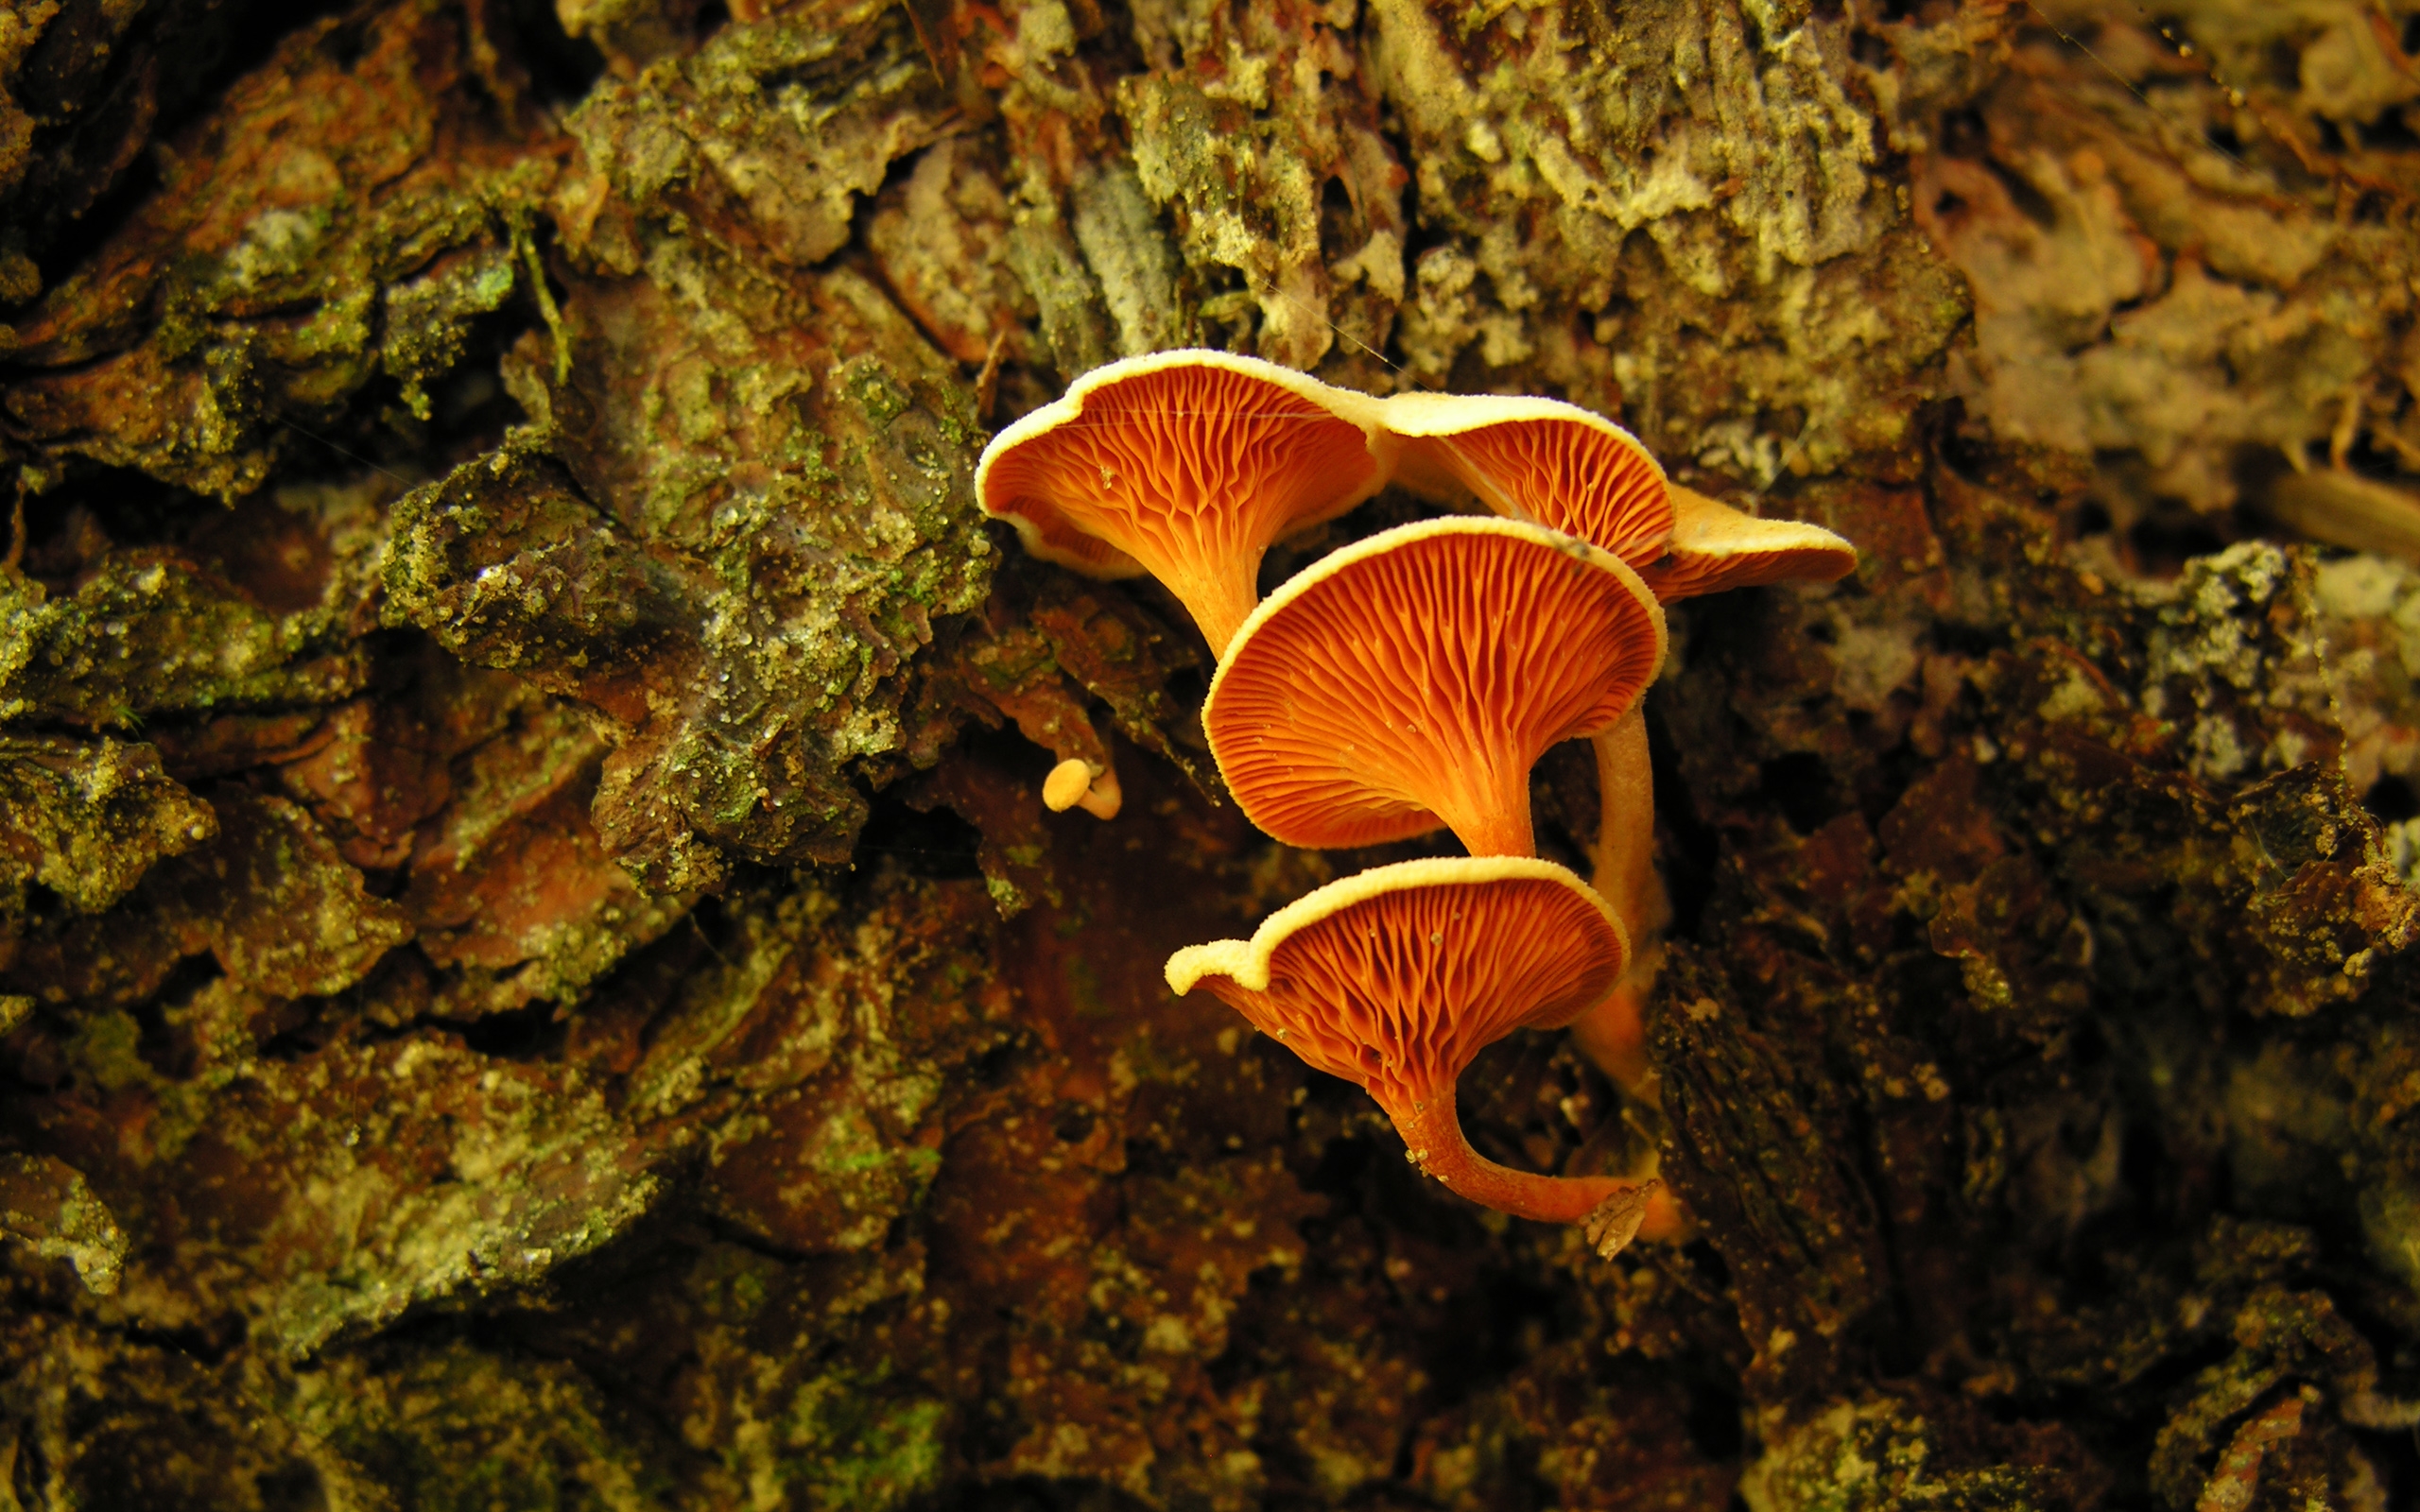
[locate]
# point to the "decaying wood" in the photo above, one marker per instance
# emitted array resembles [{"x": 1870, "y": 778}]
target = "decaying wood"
[{"x": 534, "y": 970}]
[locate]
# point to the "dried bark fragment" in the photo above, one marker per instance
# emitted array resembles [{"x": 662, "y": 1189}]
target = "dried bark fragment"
[
  {"x": 1879, "y": 1451},
  {"x": 268, "y": 897},
  {"x": 813, "y": 1066},
  {"x": 1781, "y": 1197},
  {"x": 940, "y": 236},
  {"x": 347, "y": 209},
  {"x": 46, "y": 1203},
  {"x": 739, "y": 580},
  {"x": 511, "y": 884},
  {"x": 131, "y": 1422},
  {"x": 256, "y": 610},
  {"x": 760, "y": 141},
  {"x": 2162, "y": 249},
  {"x": 367, "y": 774},
  {"x": 278, "y": 907},
  {"x": 1251, "y": 123},
  {"x": 1734, "y": 139},
  {"x": 149, "y": 634},
  {"x": 336, "y": 1193},
  {"x": 87, "y": 821},
  {"x": 83, "y": 85}
]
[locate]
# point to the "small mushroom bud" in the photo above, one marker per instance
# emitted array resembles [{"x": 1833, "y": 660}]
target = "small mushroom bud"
[{"x": 1079, "y": 783}]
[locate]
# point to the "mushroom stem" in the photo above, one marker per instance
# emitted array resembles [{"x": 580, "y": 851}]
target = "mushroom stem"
[
  {"x": 1624, "y": 858},
  {"x": 1613, "y": 1033},
  {"x": 1487, "y": 806},
  {"x": 1103, "y": 798},
  {"x": 1434, "y": 1136},
  {"x": 1220, "y": 601}
]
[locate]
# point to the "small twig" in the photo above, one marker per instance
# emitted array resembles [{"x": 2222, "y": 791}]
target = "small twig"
[
  {"x": 17, "y": 527},
  {"x": 987, "y": 383},
  {"x": 2348, "y": 428}
]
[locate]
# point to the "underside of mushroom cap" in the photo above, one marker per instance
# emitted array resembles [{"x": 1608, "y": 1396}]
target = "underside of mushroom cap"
[
  {"x": 1536, "y": 459},
  {"x": 1412, "y": 678},
  {"x": 1186, "y": 465},
  {"x": 1715, "y": 548},
  {"x": 1398, "y": 975}
]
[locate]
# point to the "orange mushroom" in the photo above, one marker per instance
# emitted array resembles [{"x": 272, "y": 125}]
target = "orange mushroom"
[
  {"x": 1535, "y": 460},
  {"x": 1716, "y": 547},
  {"x": 1395, "y": 978},
  {"x": 1560, "y": 465},
  {"x": 1186, "y": 465},
  {"x": 1555, "y": 463},
  {"x": 1412, "y": 678}
]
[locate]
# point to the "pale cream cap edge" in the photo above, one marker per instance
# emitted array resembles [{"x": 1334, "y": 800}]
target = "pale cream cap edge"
[
  {"x": 1708, "y": 529},
  {"x": 1344, "y": 404},
  {"x": 1247, "y": 961},
  {"x": 1421, "y": 416},
  {"x": 1440, "y": 418},
  {"x": 1386, "y": 541}
]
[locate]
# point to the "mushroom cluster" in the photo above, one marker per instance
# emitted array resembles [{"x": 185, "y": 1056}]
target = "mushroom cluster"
[{"x": 1404, "y": 683}]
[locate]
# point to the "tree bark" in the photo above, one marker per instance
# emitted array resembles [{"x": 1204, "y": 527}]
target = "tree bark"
[{"x": 534, "y": 969}]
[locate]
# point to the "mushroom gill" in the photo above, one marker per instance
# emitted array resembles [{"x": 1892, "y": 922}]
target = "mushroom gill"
[
  {"x": 1543, "y": 460},
  {"x": 1395, "y": 978},
  {"x": 1412, "y": 678},
  {"x": 1186, "y": 465}
]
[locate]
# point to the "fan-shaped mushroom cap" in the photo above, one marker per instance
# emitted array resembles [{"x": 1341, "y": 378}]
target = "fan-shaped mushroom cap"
[
  {"x": 1716, "y": 547},
  {"x": 1186, "y": 465},
  {"x": 1412, "y": 678},
  {"x": 1537, "y": 459},
  {"x": 1397, "y": 977}
]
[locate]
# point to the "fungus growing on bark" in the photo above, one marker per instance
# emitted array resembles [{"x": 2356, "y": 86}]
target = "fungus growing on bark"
[
  {"x": 1535, "y": 460},
  {"x": 1395, "y": 978},
  {"x": 1412, "y": 678},
  {"x": 1186, "y": 465},
  {"x": 1716, "y": 547}
]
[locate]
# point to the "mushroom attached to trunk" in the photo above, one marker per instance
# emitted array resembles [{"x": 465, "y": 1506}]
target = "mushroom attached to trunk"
[
  {"x": 1186, "y": 465},
  {"x": 1395, "y": 978},
  {"x": 1535, "y": 460},
  {"x": 1412, "y": 678}
]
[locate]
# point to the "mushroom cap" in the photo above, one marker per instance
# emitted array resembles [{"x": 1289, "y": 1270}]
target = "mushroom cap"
[
  {"x": 1412, "y": 678},
  {"x": 1067, "y": 783},
  {"x": 1395, "y": 978},
  {"x": 1186, "y": 465},
  {"x": 1537, "y": 459},
  {"x": 1716, "y": 547}
]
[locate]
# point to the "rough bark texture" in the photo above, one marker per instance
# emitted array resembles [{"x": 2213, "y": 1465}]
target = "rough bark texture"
[{"x": 534, "y": 971}]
